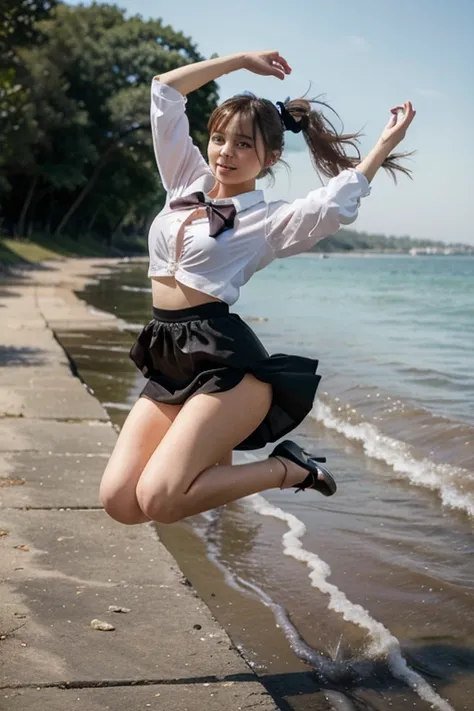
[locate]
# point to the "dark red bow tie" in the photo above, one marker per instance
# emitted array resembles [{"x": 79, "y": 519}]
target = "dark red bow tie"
[{"x": 221, "y": 217}]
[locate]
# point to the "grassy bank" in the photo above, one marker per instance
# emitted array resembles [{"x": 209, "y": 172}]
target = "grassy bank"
[{"x": 24, "y": 252}]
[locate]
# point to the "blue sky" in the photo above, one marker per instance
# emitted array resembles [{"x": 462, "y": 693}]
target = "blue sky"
[{"x": 365, "y": 57}]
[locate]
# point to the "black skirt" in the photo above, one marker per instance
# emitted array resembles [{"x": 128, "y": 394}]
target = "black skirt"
[{"x": 206, "y": 349}]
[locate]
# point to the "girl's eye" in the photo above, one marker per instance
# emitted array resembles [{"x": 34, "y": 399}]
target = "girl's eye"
[{"x": 241, "y": 144}]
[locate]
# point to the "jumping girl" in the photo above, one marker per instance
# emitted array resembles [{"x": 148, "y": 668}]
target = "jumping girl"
[{"x": 212, "y": 387}]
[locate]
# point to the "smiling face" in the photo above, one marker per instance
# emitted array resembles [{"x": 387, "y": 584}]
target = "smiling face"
[
  {"x": 245, "y": 138},
  {"x": 235, "y": 156}
]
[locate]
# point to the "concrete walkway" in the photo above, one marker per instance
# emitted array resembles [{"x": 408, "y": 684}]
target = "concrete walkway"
[{"x": 63, "y": 562}]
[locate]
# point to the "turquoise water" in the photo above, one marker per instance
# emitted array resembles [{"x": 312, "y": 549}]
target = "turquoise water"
[
  {"x": 395, "y": 417},
  {"x": 405, "y": 324},
  {"x": 394, "y": 337}
]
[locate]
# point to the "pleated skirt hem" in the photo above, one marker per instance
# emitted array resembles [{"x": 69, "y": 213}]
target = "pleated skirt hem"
[{"x": 206, "y": 349}]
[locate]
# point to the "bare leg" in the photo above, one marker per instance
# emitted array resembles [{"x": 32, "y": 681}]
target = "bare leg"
[
  {"x": 143, "y": 430},
  {"x": 220, "y": 485},
  {"x": 181, "y": 477},
  {"x": 141, "y": 434}
]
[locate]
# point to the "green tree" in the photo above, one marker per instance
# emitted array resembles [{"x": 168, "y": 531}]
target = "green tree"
[
  {"x": 18, "y": 28},
  {"x": 85, "y": 131}
]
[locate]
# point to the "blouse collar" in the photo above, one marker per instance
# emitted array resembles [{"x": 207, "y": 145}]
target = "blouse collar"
[{"x": 242, "y": 201}]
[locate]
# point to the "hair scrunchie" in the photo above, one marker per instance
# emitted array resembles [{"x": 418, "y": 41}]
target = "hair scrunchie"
[{"x": 289, "y": 121}]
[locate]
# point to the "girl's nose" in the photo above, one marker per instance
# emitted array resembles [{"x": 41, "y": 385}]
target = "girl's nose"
[{"x": 226, "y": 149}]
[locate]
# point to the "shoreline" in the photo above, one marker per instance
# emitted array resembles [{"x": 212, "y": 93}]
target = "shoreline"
[
  {"x": 385, "y": 253},
  {"x": 19, "y": 268},
  {"x": 205, "y": 547},
  {"x": 54, "y": 439}
]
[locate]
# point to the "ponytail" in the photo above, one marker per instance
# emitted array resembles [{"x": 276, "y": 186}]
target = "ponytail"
[{"x": 328, "y": 148}]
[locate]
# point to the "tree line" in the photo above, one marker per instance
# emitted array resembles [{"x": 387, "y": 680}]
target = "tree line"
[
  {"x": 76, "y": 156},
  {"x": 347, "y": 240},
  {"x": 75, "y": 146}
]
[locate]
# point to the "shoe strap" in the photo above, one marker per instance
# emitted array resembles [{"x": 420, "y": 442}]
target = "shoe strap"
[
  {"x": 310, "y": 456},
  {"x": 303, "y": 486},
  {"x": 275, "y": 456}
]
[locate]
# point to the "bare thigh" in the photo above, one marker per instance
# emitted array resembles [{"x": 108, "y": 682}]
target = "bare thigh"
[
  {"x": 142, "y": 432},
  {"x": 206, "y": 429}
]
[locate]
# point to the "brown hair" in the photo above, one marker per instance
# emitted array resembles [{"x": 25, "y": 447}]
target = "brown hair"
[{"x": 327, "y": 146}]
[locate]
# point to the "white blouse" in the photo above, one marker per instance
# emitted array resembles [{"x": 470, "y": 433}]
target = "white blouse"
[{"x": 179, "y": 242}]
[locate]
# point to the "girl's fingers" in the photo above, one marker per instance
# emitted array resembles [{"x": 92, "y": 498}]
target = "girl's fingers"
[
  {"x": 409, "y": 114},
  {"x": 276, "y": 59},
  {"x": 392, "y": 122},
  {"x": 284, "y": 64},
  {"x": 278, "y": 70},
  {"x": 402, "y": 121},
  {"x": 277, "y": 73}
]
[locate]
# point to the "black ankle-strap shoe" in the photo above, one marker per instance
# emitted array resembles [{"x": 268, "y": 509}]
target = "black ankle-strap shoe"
[{"x": 319, "y": 478}]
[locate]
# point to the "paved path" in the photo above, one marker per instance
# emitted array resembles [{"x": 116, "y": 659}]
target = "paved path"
[{"x": 63, "y": 562}]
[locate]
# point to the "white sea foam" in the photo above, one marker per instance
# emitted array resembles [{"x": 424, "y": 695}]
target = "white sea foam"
[
  {"x": 446, "y": 480},
  {"x": 109, "y": 348},
  {"x": 129, "y": 326},
  {"x": 320, "y": 663},
  {"x": 118, "y": 406},
  {"x": 383, "y": 643},
  {"x": 121, "y": 324},
  {"x": 98, "y": 312},
  {"x": 140, "y": 289}
]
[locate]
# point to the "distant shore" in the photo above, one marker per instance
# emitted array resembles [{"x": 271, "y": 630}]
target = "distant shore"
[
  {"x": 26, "y": 254},
  {"x": 385, "y": 253}
]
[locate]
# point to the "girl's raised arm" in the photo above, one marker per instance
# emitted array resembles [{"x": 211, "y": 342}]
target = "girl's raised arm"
[
  {"x": 179, "y": 161},
  {"x": 192, "y": 76},
  {"x": 393, "y": 133}
]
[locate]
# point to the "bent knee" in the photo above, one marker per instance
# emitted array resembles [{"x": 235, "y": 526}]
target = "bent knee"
[
  {"x": 121, "y": 508},
  {"x": 158, "y": 504}
]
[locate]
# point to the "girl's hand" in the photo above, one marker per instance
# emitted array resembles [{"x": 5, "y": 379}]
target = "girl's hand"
[
  {"x": 395, "y": 130},
  {"x": 267, "y": 64}
]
